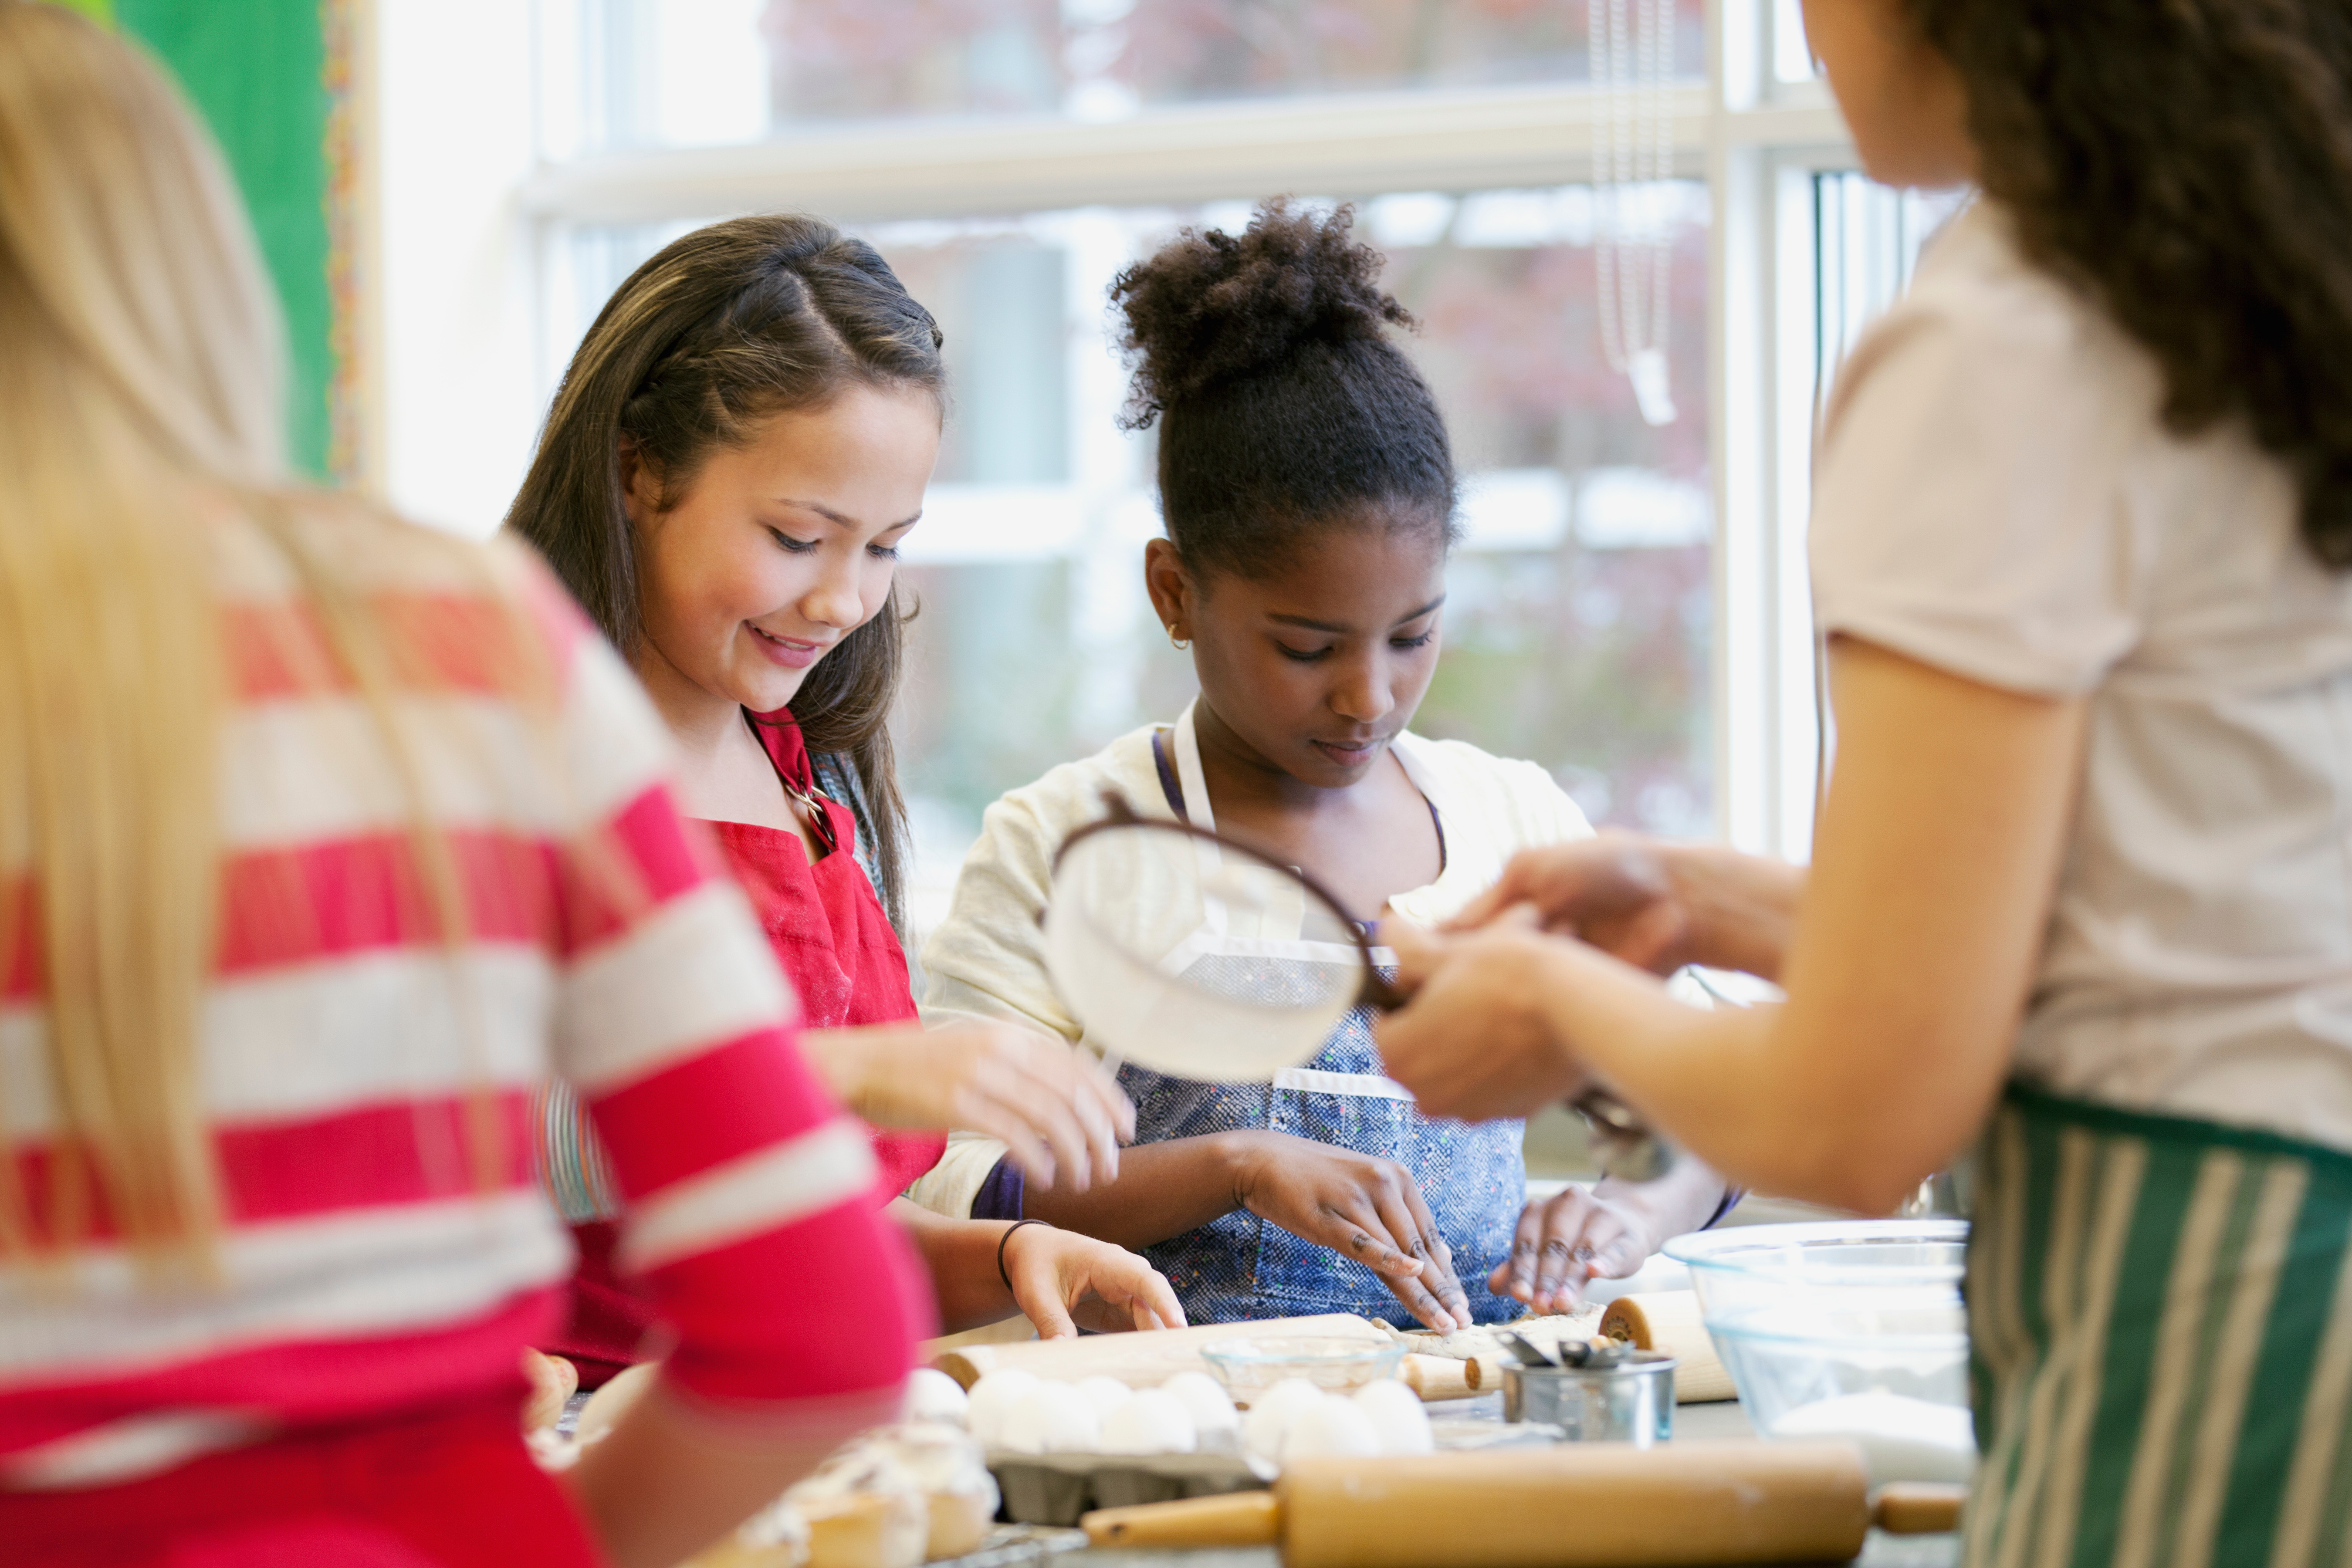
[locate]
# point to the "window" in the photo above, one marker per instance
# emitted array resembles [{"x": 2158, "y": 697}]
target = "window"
[
  {"x": 1630, "y": 606},
  {"x": 1580, "y": 610},
  {"x": 1792, "y": 61},
  {"x": 648, "y": 78},
  {"x": 1850, "y": 247},
  {"x": 1866, "y": 243}
]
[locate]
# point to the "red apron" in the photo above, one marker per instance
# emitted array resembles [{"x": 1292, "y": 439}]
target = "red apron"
[
  {"x": 828, "y": 931},
  {"x": 833, "y": 943}
]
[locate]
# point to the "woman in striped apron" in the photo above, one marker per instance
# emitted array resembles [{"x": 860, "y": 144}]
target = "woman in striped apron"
[{"x": 2081, "y": 893}]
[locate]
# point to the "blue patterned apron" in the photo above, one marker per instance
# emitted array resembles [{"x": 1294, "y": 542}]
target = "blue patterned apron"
[{"x": 1474, "y": 1178}]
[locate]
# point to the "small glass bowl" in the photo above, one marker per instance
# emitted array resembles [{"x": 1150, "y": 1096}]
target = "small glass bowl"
[{"x": 1249, "y": 1367}]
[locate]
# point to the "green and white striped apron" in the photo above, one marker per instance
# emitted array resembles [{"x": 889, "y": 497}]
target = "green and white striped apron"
[{"x": 2162, "y": 1343}]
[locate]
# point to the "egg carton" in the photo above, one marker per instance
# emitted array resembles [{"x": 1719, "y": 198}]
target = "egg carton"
[{"x": 1058, "y": 1489}]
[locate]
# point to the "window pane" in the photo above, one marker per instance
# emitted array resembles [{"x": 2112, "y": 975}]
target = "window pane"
[
  {"x": 1867, "y": 240},
  {"x": 1864, "y": 243},
  {"x": 1578, "y": 629},
  {"x": 1578, "y": 632},
  {"x": 683, "y": 72},
  {"x": 1792, "y": 57},
  {"x": 1003, "y": 301}
]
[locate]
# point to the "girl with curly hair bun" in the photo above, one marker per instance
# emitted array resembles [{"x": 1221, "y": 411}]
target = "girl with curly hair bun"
[
  {"x": 2081, "y": 898},
  {"x": 1308, "y": 490}
]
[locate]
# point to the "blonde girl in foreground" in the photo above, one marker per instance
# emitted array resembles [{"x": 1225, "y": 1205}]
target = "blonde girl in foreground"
[{"x": 322, "y": 841}]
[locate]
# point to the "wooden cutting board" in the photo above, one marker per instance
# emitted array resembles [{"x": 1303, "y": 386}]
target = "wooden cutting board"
[
  {"x": 1145, "y": 1360},
  {"x": 1670, "y": 1320}
]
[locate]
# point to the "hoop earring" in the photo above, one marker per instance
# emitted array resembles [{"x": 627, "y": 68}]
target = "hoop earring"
[{"x": 1182, "y": 645}]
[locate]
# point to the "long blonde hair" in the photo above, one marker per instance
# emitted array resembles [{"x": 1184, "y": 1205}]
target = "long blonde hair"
[{"x": 140, "y": 394}]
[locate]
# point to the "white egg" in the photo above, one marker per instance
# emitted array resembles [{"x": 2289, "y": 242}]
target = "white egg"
[
  {"x": 1271, "y": 1413},
  {"x": 1152, "y": 1421},
  {"x": 1206, "y": 1401},
  {"x": 1292, "y": 1394},
  {"x": 1105, "y": 1393},
  {"x": 991, "y": 1401},
  {"x": 1398, "y": 1420},
  {"x": 1055, "y": 1418},
  {"x": 1333, "y": 1427},
  {"x": 933, "y": 1396}
]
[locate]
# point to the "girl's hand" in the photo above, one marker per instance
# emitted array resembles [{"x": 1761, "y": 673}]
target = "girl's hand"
[
  {"x": 1575, "y": 1236},
  {"x": 1656, "y": 905},
  {"x": 1361, "y": 1207},
  {"x": 1057, "y": 1112},
  {"x": 1614, "y": 891},
  {"x": 1064, "y": 1281},
  {"x": 1605, "y": 1231},
  {"x": 553, "y": 1380},
  {"x": 1476, "y": 1041}
]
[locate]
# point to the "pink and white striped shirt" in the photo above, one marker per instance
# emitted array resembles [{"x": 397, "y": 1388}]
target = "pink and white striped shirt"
[{"x": 348, "y": 1052}]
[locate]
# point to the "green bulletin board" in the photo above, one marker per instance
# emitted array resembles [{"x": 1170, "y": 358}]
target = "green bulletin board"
[{"x": 256, "y": 69}]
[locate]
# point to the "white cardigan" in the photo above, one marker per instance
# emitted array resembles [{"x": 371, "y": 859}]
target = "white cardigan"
[{"x": 987, "y": 959}]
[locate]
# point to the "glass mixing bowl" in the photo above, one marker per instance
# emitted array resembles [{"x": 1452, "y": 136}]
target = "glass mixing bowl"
[
  {"x": 1848, "y": 1330},
  {"x": 1249, "y": 1367}
]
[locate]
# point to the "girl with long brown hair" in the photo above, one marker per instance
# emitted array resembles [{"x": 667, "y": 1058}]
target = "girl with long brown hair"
[
  {"x": 323, "y": 839},
  {"x": 738, "y": 447}
]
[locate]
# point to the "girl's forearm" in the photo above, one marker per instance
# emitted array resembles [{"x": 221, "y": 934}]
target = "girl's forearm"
[
  {"x": 1687, "y": 1069},
  {"x": 1162, "y": 1190},
  {"x": 1925, "y": 914},
  {"x": 1742, "y": 907},
  {"x": 1810, "y": 1103},
  {"x": 1748, "y": 1092},
  {"x": 961, "y": 1257},
  {"x": 670, "y": 1478},
  {"x": 1680, "y": 1201}
]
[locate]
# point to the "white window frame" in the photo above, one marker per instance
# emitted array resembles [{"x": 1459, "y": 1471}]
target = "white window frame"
[
  {"x": 468, "y": 221},
  {"x": 1767, "y": 140}
]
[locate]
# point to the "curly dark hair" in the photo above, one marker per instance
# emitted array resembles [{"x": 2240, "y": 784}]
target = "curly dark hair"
[
  {"x": 2189, "y": 165},
  {"x": 1282, "y": 403},
  {"x": 718, "y": 331}
]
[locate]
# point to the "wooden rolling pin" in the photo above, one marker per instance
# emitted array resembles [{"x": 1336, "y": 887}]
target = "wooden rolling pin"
[
  {"x": 1669, "y": 1321},
  {"x": 1443, "y": 1377},
  {"x": 1145, "y": 1360},
  {"x": 1692, "y": 1505}
]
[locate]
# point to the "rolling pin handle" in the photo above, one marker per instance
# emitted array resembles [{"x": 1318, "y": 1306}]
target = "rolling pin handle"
[
  {"x": 1437, "y": 1378},
  {"x": 1234, "y": 1519},
  {"x": 1918, "y": 1508}
]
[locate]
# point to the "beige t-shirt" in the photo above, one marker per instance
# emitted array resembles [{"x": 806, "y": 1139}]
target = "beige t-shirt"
[
  {"x": 1998, "y": 497},
  {"x": 987, "y": 959}
]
